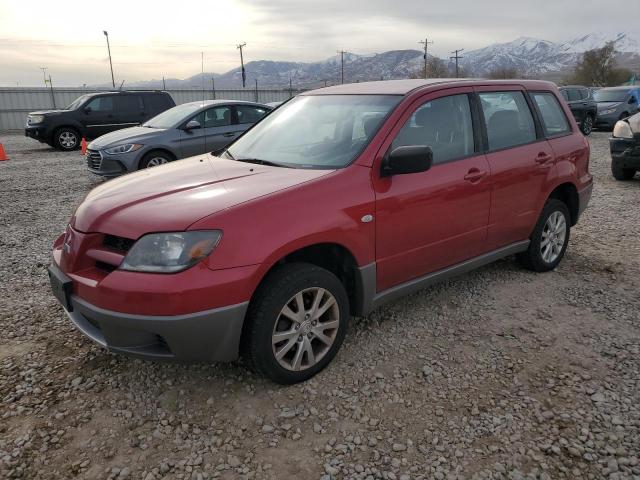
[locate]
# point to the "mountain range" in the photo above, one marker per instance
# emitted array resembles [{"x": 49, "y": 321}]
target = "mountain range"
[{"x": 531, "y": 57}]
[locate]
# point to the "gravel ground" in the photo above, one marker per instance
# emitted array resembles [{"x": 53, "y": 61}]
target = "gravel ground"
[{"x": 499, "y": 374}]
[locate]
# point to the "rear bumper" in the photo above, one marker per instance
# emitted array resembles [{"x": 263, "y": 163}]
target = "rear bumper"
[
  {"x": 212, "y": 335},
  {"x": 584, "y": 196}
]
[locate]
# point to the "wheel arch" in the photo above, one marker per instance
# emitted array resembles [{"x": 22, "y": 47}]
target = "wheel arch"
[
  {"x": 334, "y": 257},
  {"x": 568, "y": 194},
  {"x": 162, "y": 149}
]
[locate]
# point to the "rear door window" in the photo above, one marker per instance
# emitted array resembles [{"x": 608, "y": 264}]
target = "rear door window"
[
  {"x": 508, "y": 119},
  {"x": 444, "y": 124},
  {"x": 553, "y": 118},
  {"x": 574, "y": 95},
  {"x": 129, "y": 103}
]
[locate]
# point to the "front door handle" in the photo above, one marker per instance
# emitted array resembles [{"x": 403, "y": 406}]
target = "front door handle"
[
  {"x": 229, "y": 134},
  {"x": 543, "y": 157},
  {"x": 474, "y": 175}
]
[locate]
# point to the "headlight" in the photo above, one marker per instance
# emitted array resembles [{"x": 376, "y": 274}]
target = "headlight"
[
  {"x": 36, "y": 119},
  {"x": 622, "y": 130},
  {"x": 170, "y": 252},
  {"x": 608, "y": 111},
  {"x": 126, "y": 148}
]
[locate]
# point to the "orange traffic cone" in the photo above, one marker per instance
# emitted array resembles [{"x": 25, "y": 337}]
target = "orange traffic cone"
[
  {"x": 83, "y": 146},
  {"x": 3, "y": 156}
]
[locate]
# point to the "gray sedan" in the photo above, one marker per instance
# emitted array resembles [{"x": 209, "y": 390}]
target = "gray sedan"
[{"x": 183, "y": 131}]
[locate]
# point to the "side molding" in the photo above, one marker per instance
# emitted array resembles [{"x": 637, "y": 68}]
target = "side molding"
[{"x": 372, "y": 299}]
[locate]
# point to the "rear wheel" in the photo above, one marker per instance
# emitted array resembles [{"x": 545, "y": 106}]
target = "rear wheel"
[
  {"x": 296, "y": 323},
  {"x": 620, "y": 173},
  {"x": 155, "y": 159},
  {"x": 66, "y": 139},
  {"x": 586, "y": 127},
  {"x": 549, "y": 239}
]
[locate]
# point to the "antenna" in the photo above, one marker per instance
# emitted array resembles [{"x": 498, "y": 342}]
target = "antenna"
[
  {"x": 426, "y": 44},
  {"x": 120, "y": 88}
]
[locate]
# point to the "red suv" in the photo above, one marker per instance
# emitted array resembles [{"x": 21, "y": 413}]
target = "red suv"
[{"x": 342, "y": 199}]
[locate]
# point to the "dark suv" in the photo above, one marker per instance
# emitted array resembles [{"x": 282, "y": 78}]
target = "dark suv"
[
  {"x": 95, "y": 114},
  {"x": 582, "y": 105}
]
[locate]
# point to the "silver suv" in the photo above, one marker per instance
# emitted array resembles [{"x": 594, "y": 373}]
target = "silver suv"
[{"x": 183, "y": 131}]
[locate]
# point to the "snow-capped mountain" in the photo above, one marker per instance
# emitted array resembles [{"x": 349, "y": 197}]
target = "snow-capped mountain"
[
  {"x": 532, "y": 56},
  {"x": 529, "y": 56}
]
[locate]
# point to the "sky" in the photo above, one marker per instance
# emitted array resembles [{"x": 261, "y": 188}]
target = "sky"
[{"x": 150, "y": 40}]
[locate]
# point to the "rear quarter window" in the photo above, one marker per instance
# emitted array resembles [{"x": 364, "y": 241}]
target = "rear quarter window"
[{"x": 554, "y": 121}]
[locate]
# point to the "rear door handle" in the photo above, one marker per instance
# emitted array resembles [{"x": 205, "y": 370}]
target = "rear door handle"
[
  {"x": 543, "y": 157},
  {"x": 474, "y": 175}
]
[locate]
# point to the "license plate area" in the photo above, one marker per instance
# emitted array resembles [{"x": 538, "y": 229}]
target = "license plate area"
[{"x": 61, "y": 286}]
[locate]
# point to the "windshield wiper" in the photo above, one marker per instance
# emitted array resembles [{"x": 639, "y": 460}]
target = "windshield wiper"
[{"x": 259, "y": 161}]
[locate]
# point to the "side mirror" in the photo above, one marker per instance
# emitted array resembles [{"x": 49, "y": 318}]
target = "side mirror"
[
  {"x": 87, "y": 110},
  {"x": 633, "y": 101},
  {"x": 192, "y": 125},
  {"x": 409, "y": 159}
]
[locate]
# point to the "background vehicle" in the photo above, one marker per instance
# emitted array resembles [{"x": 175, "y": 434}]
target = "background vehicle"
[
  {"x": 183, "y": 131},
  {"x": 340, "y": 200},
  {"x": 95, "y": 114},
  {"x": 582, "y": 105},
  {"x": 625, "y": 148},
  {"x": 615, "y": 103}
]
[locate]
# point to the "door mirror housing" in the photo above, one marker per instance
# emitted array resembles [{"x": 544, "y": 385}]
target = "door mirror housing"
[
  {"x": 633, "y": 100},
  {"x": 407, "y": 159},
  {"x": 87, "y": 110},
  {"x": 192, "y": 125}
]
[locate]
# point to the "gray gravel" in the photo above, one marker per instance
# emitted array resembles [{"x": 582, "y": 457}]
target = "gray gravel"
[{"x": 499, "y": 374}]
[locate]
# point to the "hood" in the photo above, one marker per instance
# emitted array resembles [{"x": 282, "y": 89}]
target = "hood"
[
  {"x": 174, "y": 196},
  {"x": 126, "y": 135},
  {"x": 608, "y": 105},
  {"x": 47, "y": 112}
]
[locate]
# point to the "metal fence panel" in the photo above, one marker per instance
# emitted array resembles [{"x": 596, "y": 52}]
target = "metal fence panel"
[{"x": 16, "y": 103}]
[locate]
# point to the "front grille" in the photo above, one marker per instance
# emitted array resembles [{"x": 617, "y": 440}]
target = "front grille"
[
  {"x": 119, "y": 244},
  {"x": 94, "y": 159}
]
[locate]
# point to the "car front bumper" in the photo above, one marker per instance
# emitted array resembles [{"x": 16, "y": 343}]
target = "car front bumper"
[
  {"x": 607, "y": 121},
  {"x": 101, "y": 163},
  {"x": 36, "y": 132},
  {"x": 625, "y": 152},
  {"x": 211, "y": 335}
]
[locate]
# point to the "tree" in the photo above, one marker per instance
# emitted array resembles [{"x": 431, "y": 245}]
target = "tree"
[
  {"x": 501, "y": 73},
  {"x": 436, "y": 68},
  {"x": 597, "y": 68}
]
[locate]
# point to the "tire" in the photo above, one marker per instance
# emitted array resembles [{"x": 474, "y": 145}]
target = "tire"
[
  {"x": 537, "y": 257},
  {"x": 279, "y": 291},
  {"x": 66, "y": 139},
  {"x": 154, "y": 159},
  {"x": 620, "y": 173},
  {"x": 586, "y": 126}
]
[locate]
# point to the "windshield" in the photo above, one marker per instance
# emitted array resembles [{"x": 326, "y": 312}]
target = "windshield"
[
  {"x": 77, "y": 102},
  {"x": 173, "y": 116},
  {"x": 316, "y": 131},
  {"x": 610, "y": 95}
]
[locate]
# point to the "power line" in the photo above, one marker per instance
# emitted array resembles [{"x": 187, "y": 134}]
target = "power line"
[
  {"x": 457, "y": 57},
  {"x": 426, "y": 44}
]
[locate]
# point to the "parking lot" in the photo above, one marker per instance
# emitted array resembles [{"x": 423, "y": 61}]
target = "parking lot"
[{"x": 499, "y": 374}]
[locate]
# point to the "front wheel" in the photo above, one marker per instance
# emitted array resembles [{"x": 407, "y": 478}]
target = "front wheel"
[
  {"x": 296, "y": 323},
  {"x": 549, "y": 239},
  {"x": 66, "y": 139},
  {"x": 155, "y": 159},
  {"x": 620, "y": 173},
  {"x": 586, "y": 127}
]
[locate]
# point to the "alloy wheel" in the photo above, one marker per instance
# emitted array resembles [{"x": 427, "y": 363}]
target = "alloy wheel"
[
  {"x": 68, "y": 139},
  {"x": 305, "y": 329},
  {"x": 156, "y": 161},
  {"x": 587, "y": 126},
  {"x": 554, "y": 235}
]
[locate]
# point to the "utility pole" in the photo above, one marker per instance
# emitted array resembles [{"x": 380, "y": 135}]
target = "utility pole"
[
  {"x": 426, "y": 44},
  {"x": 44, "y": 75},
  {"x": 53, "y": 98},
  {"x": 164, "y": 87},
  {"x": 244, "y": 75},
  {"x": 213, "y": 87},
  {"x": 290, "y": 88},
  {"x": 256, "y": 89},
  {"x": 113, "y": 81},
  {"x": 341, "y": 52},
  {"x": 457, "y": 57}
]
